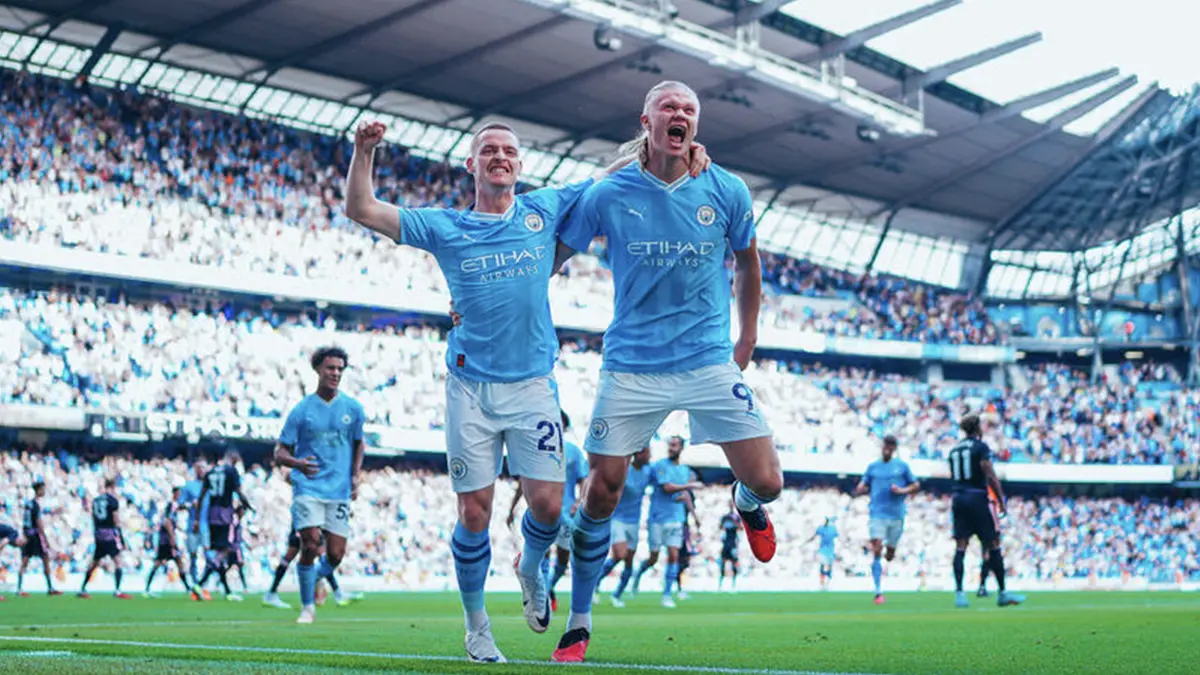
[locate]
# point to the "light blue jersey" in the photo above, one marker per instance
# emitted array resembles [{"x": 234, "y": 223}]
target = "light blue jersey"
[
  {"x": 498, "y": 268},
  {"x": 188, "y": 495},
  {"x": 629, "y": 509},
  {"x": 667, "y": 247},
  {"x": 664, "y": 507},
  {"x": 326, "y": 431},
  {"x": 880, "y": 476},
  {"x": 576, "y": 470},
  {"x": 827, "y": 535}
]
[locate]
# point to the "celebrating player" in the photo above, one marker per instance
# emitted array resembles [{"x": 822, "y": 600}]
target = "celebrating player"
[
  {"x": 731, "y": 523},
  {"x": 972, "y": 473},
  {"x": 35, "y": 541},
  {"x": 827, "y": 533},
  {"x": 167, "y": 551},
  {"x": 668, "y": 346},
  {"x": 576, "y": 471},
  {"x": 221, "y": 485},
  {"x": 322, "y": 442},
  {"x": 668, "y": 512},
  {"x": 627, "y": 521},
  {"x": 497, "y": 259},
  {"x": 109, "y": 542},
  {"x": 889, "y": 480}
]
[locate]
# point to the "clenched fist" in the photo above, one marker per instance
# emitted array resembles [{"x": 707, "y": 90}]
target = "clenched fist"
[{"x": 368, "y": 135}]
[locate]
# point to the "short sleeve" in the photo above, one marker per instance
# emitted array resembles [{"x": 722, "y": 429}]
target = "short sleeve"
[
  {"x": 741, "y": 215},
  {"x": 982, "y": 452},
  {"x": 291, "y": 428},
  {"x": 866, "y": 479},
  {"x": 909, "y": 478},
  {"x": 422, "y": 228},
  {"x": 560, "y": 201},
  {"x": 584, "y": 222},
  {"x": 234, "y": 478}
]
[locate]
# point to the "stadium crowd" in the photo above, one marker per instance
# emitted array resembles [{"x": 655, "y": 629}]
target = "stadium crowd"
[
  {"x": 132, "y": 174},
  {"x": 251, "y": 361},
  {"x": 403, "y": 516}
]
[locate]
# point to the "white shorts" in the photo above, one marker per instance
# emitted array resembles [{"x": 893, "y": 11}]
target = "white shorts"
[
  {"x": 565, "y": 536},
  {"x": 626, "y": 533},
  {"x": 665, "y": 534},
  {"x": 630, "y": 407},
  {"x": 887, "y": 530},
  {"x": 331, "y": 515},
  {"x": 483, "y": 418}
]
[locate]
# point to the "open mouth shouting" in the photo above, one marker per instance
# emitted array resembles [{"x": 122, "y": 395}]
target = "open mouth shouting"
[{"x": 677, "y": 136}]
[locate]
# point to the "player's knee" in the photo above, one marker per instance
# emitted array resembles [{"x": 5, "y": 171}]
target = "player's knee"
[
  {"x": 474, "y": 513},
  {"x": 334, "y": 558},
  {"x": 546, "y": 505},
  {"x": 769, "y": 485}
]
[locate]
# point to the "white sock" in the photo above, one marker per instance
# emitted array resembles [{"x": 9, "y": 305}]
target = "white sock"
[
  {"x": 580, "y": 621},
  {"x": 477, "y": 621}
]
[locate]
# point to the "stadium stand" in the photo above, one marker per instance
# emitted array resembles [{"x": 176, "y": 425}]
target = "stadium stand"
[{"x": 132, "y": 174}]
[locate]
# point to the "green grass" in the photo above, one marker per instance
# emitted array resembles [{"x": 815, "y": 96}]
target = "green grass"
[{"x": 914, "y": 634}]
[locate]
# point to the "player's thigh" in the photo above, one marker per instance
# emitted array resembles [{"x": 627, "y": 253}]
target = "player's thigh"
[
  {"x": 474, "y": 439},
  {"x": 629, "y": 408},
  {"x": 673, "y": 535},
  {"x": 655, "y": 537},
  {"x": 337, "y": 519},
  {"x": 895, "y": 530},
  {"x": 721, "y": 407}
]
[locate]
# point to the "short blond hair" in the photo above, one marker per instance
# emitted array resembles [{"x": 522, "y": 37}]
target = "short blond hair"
[
  {"x": 640, "y": 144},
  {"x": 490, "y": 126}
]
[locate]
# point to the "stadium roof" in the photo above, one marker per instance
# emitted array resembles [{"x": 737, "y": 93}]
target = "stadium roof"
[{"x": 978, "y": 163}]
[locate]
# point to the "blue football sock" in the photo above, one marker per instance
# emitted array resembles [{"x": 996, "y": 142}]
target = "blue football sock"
[
  {"x": 538, "y": 539},
  {"x": 472, "y": 557},
  {"x": 308, "y": 584},
  {"x": 876, "y": 573},
  {"x": 560, "y": 569},
  {"x": 591, "y": 541},
  {"x": 670, "y": 578},
  {"x": 626, "y": 574},
  {"x": 608, "y": 567},
  {"x": 637, "y": 578},
  {"x": 324, "y": 569}
]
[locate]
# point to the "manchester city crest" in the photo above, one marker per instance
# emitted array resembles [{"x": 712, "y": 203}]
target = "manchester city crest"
[
  {"x": 534, "y": 222},
  {"x": 599, "y": 429},
  {"x": 458, "y": 469},
  {"x": 346, "y": 418},
  {"x": 706, "y": 215}
]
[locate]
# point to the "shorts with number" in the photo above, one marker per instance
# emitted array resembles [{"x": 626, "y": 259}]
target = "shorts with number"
[
  {"x": 330, "y": 515},
  {"x": 483, "y": 418},
  {"x": 665, "y": 534},
  {"x": 565, "y": 534},
  {"x": 630, "y": 407},
  {"x": 887, "y": 530},
  {"x": 626, "y": 533}
]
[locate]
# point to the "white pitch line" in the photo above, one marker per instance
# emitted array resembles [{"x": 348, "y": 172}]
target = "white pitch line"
[{"x": 711, "y": 670}]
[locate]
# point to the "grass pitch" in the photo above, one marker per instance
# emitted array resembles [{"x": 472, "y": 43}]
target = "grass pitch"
[{"x": 748, "y": 634}]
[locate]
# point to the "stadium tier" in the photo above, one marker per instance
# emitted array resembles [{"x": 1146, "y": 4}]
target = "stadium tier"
[
  {"x": 246, "y": 361},
  {"x": 128, "y": 174}
]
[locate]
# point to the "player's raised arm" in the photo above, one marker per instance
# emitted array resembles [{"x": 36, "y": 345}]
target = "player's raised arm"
[{"x": 361, "y": 204}]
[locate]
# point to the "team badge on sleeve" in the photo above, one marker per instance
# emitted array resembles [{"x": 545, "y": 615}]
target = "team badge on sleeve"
[{"x": 706, "y": 215}]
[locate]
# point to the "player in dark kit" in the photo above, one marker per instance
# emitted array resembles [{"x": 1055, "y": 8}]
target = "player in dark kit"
[
  {"x": 35, "y": 542},
  {"x": 972, "y": 473},
  {"x": 9, "y": 535},
  {"x": 167, "y": 552},
  {"x": 109, "y": 542},
  {"x": 730, "y": 524},
  {"x": 221, "y": 485}
]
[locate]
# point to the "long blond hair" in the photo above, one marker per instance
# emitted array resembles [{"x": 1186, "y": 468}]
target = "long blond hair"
[{"x": 640, "y": 144}]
